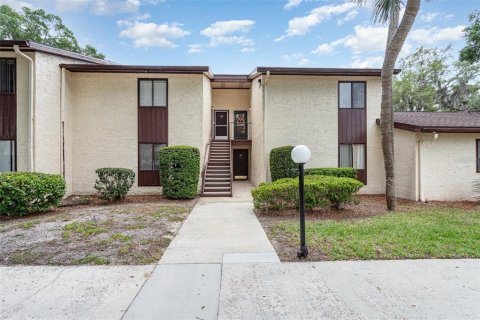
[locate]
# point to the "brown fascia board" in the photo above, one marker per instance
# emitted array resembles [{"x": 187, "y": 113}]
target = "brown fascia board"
[
  {"x": 137, "y": 69},
  {"x": 317, "y": 71},
  {"x": 414, "y": 128},
  {"x": 30, "y": 46}
]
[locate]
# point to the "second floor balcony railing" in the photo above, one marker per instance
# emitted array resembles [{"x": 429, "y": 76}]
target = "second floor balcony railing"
[{"x": 241, "y": 130}]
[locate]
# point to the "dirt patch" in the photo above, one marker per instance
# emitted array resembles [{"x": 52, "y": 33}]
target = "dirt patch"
[
  {"x": 368, "y": 206},
  {"x": 136, "y": 231}
]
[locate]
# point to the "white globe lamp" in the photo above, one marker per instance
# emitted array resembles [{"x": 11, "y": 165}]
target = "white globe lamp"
[{"x": 301, "y": 154}]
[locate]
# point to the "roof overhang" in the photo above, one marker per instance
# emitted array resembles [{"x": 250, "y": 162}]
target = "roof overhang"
[
  {"x": 138, "y": 69},
  {"x": 231, "y": 81},
  {"x": 431, "y": 129},
  {"x": 30, "y": 46},
  {"x": 317, "y": 72}
]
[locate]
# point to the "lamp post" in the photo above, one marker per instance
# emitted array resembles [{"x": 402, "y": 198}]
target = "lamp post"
[{"x": 301, "y": 155}]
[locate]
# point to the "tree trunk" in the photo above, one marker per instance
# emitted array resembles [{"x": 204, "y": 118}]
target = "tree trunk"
[{"x": 395, "y": 41}]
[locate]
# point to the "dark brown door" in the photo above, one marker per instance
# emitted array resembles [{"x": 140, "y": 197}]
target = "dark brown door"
[
  {"x": 221, "y": 125},
  {"x": 240, "y": 164}
]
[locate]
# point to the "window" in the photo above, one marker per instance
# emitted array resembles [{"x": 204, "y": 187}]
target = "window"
[
  {"x": 149, "y": 156},
  {"x": 352, "y": 95},
  {"x": 7, "y": 76},
  {"x": 478, "y": 155},
  {"x": 153, "y": 93},
  {"x": 352, "y": 156},
  {"x": 7, "y": 155}
]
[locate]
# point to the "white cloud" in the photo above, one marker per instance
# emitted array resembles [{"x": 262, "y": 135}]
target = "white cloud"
[
  {"x": 367, "y": 39},
  {"x": 292, "y": 4},
  {"x": 99, "y": 7},
  {"x": 151, "y": 34},
  {"x": 428, "y": 37},
  {"x": 15, "y": 4},
  {"x": 195, "y": 48},
  {"x": 428, "y": 17},
  {"x": 368, "y": 62},
  {"x": 296, "y": 58},
  {"x": 229, "y": 32},
  {"x": 299, "y": 26},
  {"x": 349, "y": 17},
  {"x": 431, "y": 16},
  {"x": 323, "y": 49},
  {"x": 248, "y": 50}
]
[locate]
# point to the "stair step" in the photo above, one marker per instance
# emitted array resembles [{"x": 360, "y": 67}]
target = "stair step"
[
  {"x": 217, "y": 185},
  {"x": 216, "y": 194},
  {"x": 217, "y": 189}
]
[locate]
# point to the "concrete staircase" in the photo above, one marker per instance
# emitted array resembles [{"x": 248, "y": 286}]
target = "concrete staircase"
[{"x": 217, "y": 181}]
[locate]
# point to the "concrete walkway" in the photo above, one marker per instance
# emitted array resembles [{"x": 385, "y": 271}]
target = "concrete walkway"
[
  {"x": 217, "y": 231},
  {"x": 83, "y": 292}
]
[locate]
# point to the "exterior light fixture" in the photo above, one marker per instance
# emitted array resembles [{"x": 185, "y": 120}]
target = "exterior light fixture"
[
  {"x": 301, "y": 154},
  {"x": 435, "y": 136}
]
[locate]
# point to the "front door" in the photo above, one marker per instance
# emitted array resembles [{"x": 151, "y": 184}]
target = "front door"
[
  {"x": 240, "y": 164},
  {"x": 221, "y": 125}
]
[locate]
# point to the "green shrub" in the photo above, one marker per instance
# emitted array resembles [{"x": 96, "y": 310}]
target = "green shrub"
[
  {"x": 179, "y": 171},
  {"x": 114, "y": 183},
  {"x": 281, "y": 163},
  {"x": 333, "y": 172},
  {"x": 26, "y": 192},
  {"x": 320, "y": 191}
]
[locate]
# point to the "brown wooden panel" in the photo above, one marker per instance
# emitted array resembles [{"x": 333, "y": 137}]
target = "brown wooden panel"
[
  {"x": 152, "y": 125},
  {"x": 352, "y": 126},
  {"x": 148, "y": 178},
  {"x": 362, "y": 175},
  {"x": 8, "y": 117}
]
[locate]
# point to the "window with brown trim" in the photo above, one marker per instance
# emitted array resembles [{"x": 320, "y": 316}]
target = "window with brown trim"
[
  {"x": 152, "y": 128},
  {"x": 478, "y": 155},
  {"x": 7, "y": 156},
  {"x": 352, "y": 156},
  {"x": 153, "y": 93},
  {"x": 352, "y": 95},
  {"x": 7, "y": 76}
]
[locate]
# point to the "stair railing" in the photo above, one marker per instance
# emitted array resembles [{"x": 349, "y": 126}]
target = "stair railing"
[
  {"x": 231, "y": 167},
  {"x": 206, "y": 158}
]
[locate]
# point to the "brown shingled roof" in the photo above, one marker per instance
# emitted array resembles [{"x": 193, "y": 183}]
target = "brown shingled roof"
[{"x": 438, "y": 121}]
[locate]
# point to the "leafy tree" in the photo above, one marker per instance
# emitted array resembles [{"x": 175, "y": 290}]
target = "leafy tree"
[
  {"x": 42, "y": 27},
  {"x": 431, "y": 81},
  {"x": 389, "y": 11},
  {"x": 471, "y": 52}
]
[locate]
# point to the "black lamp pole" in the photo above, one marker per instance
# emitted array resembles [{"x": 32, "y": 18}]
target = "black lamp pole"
[{"x": 303, "y": 252}]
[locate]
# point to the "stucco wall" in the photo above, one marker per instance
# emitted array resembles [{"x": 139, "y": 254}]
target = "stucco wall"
[
  {"x": 304, "y": 110},
  {"x": 22, "y": 107},
  {"x": 448, "y": 166},
  {"x": 406, "y": 164},
  {"x": 206, "y": 122},
  {"x": 231, "y": 100},
  {"x": 257, "y": 156},
  {"x": 105, "y": 122}
]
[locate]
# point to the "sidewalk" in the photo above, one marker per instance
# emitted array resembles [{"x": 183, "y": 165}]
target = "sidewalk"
[{"x": 186, "y": 283}]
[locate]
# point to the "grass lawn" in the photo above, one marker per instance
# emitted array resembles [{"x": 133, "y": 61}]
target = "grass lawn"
[
  {"x": 424, "y": 233},
  {"x": 136, "y": 231}
]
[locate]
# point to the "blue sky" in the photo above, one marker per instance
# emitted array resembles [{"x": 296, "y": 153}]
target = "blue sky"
[{"x": 237, "y": 36}]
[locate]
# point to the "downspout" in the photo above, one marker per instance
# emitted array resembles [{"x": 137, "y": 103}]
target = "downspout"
[
  {"x": 419, "y": 169},
  {"x": 31, "y": 122},
  {"x": 62, "y": 127},
  {"x": 265, "y": 94}
]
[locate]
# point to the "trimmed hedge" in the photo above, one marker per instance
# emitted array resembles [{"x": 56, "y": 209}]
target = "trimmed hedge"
[
  {"x": 114, "y": 183},
  {"x": 179, "y": 171},
  {"x": 22, "y": 193},
  {"x": 333, "y": 172},
  {"x": 281, "y": 163},
  {"x": 320, "y": 191}
]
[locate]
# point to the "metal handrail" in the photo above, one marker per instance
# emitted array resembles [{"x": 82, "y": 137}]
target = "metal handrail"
[
  {"x": 205, "y": 161},
  {"x": 248, "y": 125}
]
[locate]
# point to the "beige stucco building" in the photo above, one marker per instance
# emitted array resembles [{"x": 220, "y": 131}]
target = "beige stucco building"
[{"x": 70, "y": 114}]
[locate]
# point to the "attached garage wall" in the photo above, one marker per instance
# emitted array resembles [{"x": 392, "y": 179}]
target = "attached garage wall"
[{"x": 448, "y": 166}]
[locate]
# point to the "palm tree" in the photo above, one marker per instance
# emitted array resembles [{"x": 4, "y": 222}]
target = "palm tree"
[{"x": 389, "y": 11}]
